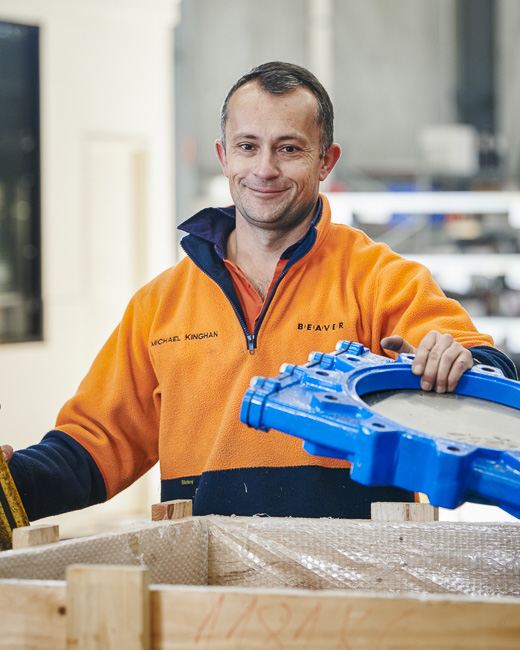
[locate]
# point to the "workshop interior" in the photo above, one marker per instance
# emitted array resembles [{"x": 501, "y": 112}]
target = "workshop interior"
[{"x": 108, "y": 116}]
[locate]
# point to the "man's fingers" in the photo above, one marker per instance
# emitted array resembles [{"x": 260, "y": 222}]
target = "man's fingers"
[
  {"x": 8, "y": 452},
  {"x": 436, "y": 360},
  {"x": 397, "y": 344},
  {"x": 422, "y": 356},
  {"x": 439, "y": 359},
  {"x": 463, "y": 362},
  {"x": 446, "y": 361}
]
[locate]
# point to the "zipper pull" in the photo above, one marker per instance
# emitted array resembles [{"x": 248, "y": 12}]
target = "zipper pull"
[{"x": 251, "y": 343}]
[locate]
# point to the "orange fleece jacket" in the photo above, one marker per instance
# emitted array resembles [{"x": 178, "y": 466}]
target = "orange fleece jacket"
[{"x": 169, "y": 382}]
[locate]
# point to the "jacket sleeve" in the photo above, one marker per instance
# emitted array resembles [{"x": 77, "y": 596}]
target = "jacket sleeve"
[
  {"x": 401, "y": 297},
  {"x": 55, "y": 476},
  {"x": 106, "y": 435},
  {"x": 493, "y": 357}
]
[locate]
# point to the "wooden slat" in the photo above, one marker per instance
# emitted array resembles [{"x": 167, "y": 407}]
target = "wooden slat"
[
  {"x": 383, "y": 511},
  {"x": 221, "y": 619},
  {"x": 32, "y": 615},
  {"x": 108, "y": 608},
  {"x": 29, "y": 536},
  {"x": 175, "y": 509}
]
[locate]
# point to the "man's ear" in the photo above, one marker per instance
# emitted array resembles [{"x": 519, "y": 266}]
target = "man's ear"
[
  {"x": 221, "y": 155},
  {"x": 329, "y": 160}
]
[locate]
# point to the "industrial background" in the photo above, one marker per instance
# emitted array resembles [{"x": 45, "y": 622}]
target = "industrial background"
[{"x": 109, "y": 110}]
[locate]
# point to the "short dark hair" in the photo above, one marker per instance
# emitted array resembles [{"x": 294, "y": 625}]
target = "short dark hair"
[{"x": 278, "y": 78}]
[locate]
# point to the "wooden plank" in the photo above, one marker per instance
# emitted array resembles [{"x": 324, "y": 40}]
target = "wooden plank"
[
  {"x": 29, "y": 536},
  {"x": 108, "y": 607},
  {"x": 382, "y": 511},
  {"x": 220, "y": 619},
  {"x": 175, "y": 509},
  {"x": 32, "y": 615},
  {"x": 34, "y": 618}
]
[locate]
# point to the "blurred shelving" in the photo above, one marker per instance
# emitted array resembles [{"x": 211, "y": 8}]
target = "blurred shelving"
[
  {"x": 378, "y": 207},
  {"x": 470, "y": 241}
]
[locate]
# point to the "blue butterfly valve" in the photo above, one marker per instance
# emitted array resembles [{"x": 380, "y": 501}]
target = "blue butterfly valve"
[{"x": 370, "y": 410}]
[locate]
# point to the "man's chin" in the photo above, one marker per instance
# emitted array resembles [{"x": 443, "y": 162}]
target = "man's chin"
[
  {"x": 265, "y": 221},
  {"x": 261, "y": 214}
]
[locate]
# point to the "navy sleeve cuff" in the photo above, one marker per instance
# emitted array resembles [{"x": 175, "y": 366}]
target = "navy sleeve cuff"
[
  {"x": 55, "y": 476},
  {"x": 493, "y": 357}
]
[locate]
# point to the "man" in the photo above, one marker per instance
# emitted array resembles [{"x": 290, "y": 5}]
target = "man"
[{"x": 267, "y": 280}]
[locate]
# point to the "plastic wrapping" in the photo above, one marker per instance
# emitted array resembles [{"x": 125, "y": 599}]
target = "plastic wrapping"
[
  {"x": 402, "y": 557},
  {"x": 436, "y": 557},
  {"x": 174, "y": 554}
]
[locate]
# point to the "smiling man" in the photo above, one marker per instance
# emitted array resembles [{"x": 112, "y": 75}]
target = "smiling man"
[
  {"x": 268, "y": 279},
  {"x": 275, "y": 160}
]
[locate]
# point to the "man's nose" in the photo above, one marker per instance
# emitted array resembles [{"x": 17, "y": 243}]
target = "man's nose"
[{"x": 266, "y": 164}]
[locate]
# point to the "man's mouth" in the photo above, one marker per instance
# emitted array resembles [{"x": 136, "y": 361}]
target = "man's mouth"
[{"x": 267, "y": 191}]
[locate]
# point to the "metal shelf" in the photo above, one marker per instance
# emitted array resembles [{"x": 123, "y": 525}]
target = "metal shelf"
[{"x": 377, "y": 207}]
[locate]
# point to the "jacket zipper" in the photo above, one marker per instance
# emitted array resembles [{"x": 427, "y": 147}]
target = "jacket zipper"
[
  {"x": 251, "y": 342},
  {"x": 250, "y": 338}
]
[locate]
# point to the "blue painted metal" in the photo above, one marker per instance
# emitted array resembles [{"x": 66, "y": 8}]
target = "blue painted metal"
[{"x": 321, "y": 403}]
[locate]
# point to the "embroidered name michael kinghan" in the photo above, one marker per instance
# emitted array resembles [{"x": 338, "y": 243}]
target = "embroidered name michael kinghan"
[{"x": 187, "y": 337}]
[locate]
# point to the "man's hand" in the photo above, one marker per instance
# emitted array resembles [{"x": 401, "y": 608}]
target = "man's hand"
[
  {"x": 8, "y": 452},
  {"x": 439, "y": 359}
]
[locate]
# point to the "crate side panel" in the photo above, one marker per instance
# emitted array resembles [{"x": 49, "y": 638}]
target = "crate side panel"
[
  {"x": 425, "y": 557},
  {"x": 175, "y": 553},
  {"x": 224, "y": 618}
]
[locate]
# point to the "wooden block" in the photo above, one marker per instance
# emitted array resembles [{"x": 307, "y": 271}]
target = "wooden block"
[
  {"x": 176, "y": 509},
  {"x": 35, "y": 535},
  {"x": 404, "y": 512},
  {"x": 108, "y": 608}
]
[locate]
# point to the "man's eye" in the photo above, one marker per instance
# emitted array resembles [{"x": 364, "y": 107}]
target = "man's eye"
[
  {"x": 289, "y": 148},
  {"x": 245, "y": 146}
]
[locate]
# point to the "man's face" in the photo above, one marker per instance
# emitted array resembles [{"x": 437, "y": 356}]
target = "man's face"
[{"x": 272, "y": 156}]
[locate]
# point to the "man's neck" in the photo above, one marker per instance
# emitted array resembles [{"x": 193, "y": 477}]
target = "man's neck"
[{"x": 257, "y": 251}]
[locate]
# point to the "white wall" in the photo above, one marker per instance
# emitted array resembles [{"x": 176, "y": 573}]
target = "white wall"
[{"x": 107, "y": 190}]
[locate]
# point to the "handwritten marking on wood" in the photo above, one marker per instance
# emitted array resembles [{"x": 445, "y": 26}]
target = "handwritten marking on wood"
[{"x": 228, "y": 619}]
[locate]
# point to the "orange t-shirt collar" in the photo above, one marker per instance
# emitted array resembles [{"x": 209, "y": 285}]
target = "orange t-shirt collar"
[{"x": 251, "y": 302}]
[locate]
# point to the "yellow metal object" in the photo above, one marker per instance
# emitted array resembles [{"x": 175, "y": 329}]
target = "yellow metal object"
[{"x": 12, "y": 512}]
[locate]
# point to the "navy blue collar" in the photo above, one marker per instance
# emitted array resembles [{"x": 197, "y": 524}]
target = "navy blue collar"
[{"x": 216, "y": 224}]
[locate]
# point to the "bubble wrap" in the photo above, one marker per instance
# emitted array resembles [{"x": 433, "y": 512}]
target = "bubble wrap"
[
  {"x": 174, "y": 554},
  {"x": 429, "y": 557},
  {"x": 433, "y": 557}
]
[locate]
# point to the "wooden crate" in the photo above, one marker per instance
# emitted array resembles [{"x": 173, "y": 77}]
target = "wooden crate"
[{"x": 217, "y": 582}]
